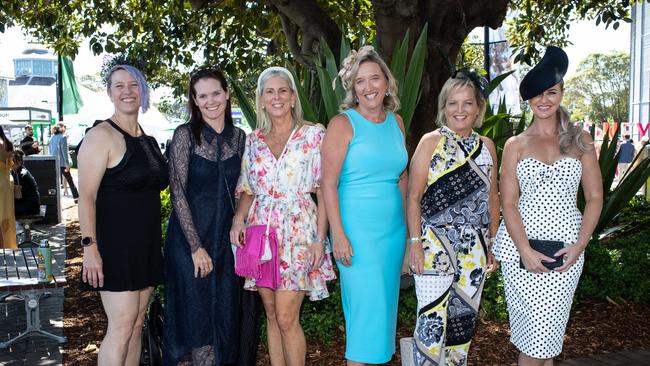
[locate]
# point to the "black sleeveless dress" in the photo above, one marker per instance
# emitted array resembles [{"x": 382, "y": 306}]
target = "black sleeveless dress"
[{"x": 128, "y": 217}]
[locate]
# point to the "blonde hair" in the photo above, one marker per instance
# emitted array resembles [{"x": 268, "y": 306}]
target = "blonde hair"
[
  {"x": 350, "y": 70},
  {"x": 569, "y": 134},
  {"x": 263, "y": 119},
  {"x": 459, "y": 81}
]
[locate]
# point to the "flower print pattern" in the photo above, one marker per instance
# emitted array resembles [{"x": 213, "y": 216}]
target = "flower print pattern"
[
  {"x": 283, "y": 191},
  {"x": 430, "y": 328},
  {"x": 455, "y": 217}
]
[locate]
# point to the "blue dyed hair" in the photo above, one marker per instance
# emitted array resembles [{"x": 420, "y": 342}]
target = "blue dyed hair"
[{"x": 137, "y": 75}]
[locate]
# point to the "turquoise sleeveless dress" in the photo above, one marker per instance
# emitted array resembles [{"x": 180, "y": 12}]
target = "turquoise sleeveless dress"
[{"x": 373, "y": 217}]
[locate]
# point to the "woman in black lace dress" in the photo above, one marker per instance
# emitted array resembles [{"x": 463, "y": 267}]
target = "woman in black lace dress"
[{"x": 202, "y": 292}]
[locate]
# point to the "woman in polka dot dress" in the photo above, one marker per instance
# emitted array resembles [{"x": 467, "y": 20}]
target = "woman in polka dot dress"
[{"x": 541, "y": 171}]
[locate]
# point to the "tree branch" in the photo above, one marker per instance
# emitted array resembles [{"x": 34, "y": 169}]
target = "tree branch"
[
  {"x": 291, "y": 34},
  {"x": 314, "y": 23}
]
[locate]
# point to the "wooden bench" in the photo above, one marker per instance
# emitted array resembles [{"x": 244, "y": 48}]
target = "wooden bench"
[{"x": 19, "y": 276}]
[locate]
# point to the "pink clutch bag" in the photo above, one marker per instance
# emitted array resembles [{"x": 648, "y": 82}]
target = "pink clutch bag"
[{"x": 249, "y": 261}]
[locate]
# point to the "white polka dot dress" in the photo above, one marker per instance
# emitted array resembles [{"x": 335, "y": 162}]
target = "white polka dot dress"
[{"x": 539, "y": 303}]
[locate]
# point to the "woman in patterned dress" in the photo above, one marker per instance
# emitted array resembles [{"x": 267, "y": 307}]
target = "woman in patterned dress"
[
  {"x": 280, "y": 170},
  {"x": 453, "y": 211},
  {"x": 541, "y": 171}
]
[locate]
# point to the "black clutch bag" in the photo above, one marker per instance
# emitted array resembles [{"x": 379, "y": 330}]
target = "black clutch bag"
[{"x": 548, "y": 248}]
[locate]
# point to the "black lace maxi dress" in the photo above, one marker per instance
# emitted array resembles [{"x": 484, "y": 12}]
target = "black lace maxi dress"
[
  {"x": 127, "y": 210},
  {"x": 202, "y": 314}
]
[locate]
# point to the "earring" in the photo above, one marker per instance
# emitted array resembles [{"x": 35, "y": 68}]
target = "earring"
[
  {"x": 292, "y": 106},
  {"x": 263, "y": 107},
  {"x": 388, "y": 94},
  {"x": 355, "y": 100}
]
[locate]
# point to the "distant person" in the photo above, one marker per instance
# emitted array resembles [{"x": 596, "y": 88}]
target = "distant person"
[
  {"x": 28, "y": 144},
  {"x": 626, "y": 155},
  {"x": 59, "y": 148},
  {"x": 29, "y": 201},
  {"x": 7, "y": 218}
]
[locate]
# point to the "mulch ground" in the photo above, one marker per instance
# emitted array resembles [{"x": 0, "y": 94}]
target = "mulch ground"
[{"x": 595, "y": 327}]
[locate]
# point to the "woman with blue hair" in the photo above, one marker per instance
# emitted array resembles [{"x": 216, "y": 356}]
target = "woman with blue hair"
[{"x": 121, "y": 174}]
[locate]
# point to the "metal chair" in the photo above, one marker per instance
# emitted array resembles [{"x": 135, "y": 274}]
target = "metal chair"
[{"x": 26, "y": 222}]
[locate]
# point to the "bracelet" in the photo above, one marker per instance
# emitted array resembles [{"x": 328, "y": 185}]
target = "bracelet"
[
  {"x": 415, "y": 239},
  {"x": 318, "y": 239}
]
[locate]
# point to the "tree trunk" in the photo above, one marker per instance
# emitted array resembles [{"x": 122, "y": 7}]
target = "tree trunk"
[{"x": 449, "y": 23}]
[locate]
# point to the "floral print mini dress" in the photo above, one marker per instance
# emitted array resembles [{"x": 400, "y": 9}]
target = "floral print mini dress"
[{"x": 282, "y": 189}]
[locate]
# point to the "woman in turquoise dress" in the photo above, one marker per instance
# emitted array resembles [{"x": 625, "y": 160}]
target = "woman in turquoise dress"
[{"x": 364, "y": 181}]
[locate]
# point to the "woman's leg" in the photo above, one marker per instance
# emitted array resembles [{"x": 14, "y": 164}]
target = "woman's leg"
[
  {"x": 354, "y": 363},
  {"x": 287, "y": 312},
  {"x": 272, "y": 330},
  {"x": 135, "y": 344},
  {"x": 525, "y": 360},
  {"x": 122, "y": 310}
]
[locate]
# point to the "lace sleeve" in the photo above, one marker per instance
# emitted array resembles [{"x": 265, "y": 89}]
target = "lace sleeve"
[
  {"x": 241, "y": 142},
  {"x": 179, "y": 161}
]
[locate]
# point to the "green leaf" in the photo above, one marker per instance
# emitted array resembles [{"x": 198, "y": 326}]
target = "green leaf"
[
  {"x": 494, "y": 83},
  {"x": 345, "y": 47},
  {"x": 246, "y": 106},
  {"x": 398, "y": 61},
  {"x": 332, "y": 69},
  {"x": 622, "y": 194},
  {"x": 308, "y": 112},
  {"x": 329, "y": 96},
  {"x": 411, "y": 87}
]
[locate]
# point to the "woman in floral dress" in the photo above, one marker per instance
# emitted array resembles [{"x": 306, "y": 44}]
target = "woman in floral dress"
[
  {"x": 453, "y": 212},
  {"x": 280, "y": 171}
]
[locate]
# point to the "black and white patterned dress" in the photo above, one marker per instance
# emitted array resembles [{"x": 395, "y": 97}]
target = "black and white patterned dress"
[{"x": 539, "y": 303}]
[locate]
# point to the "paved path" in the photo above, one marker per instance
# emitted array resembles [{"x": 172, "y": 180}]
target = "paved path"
[
  {"x": 624, "y": 358},
  {"x": 36, "y": 350}
]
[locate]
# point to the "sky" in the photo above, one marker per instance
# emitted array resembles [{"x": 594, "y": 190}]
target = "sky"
[
  {"x": 588, "y": 39},
  {"x": 582, "y": 35}
]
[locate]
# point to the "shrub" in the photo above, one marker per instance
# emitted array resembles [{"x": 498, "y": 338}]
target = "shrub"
[
  {"x": 618, "y": 269},
  {"x": 323, "y": 319},
  {"x": 165, "y": 211},
  {"x": 493, "y": 300}
]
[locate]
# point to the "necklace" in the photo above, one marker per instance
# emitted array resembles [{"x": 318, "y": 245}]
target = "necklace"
[{"x": 121, "y": 125}]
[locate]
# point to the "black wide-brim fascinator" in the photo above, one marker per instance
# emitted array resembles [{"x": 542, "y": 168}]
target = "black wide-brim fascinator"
[{"x": 549, "y": 71}]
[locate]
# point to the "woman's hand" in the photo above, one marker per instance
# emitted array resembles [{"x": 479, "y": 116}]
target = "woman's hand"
[
  {"x": 93, "y": 273},
  {"x": 533, "y": 261},
  {"x": 342, "y": 250},
  {"x": 571, "y": 254},
  {"x": 202, "y": 263},
  {"x": 238, "y": 233},
  {"x": 316, "y": 253},
  {"x": 416, "y": 258},
  {"x": 492, "y": 263}
]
